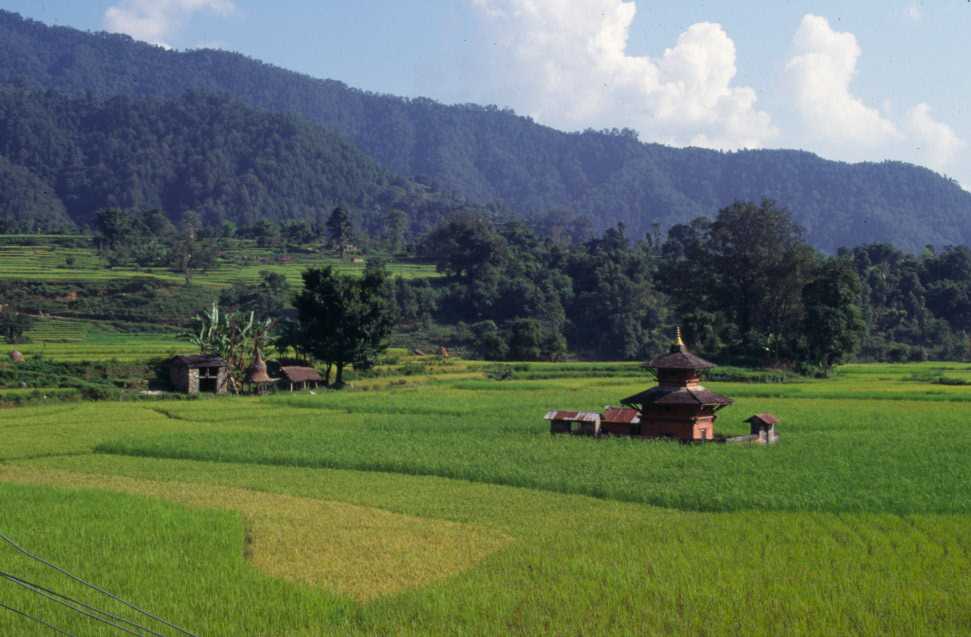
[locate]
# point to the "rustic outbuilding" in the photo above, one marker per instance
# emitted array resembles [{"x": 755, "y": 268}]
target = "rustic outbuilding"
[
  {"x": 583, "y": 423},
  {"x": 678, "y": 406},
  {"x": 199, "y": 373},
  {"x": 763, "y": 428},
  {"x": 620, "y": 421},
  {"x": 301, "y": 377}
]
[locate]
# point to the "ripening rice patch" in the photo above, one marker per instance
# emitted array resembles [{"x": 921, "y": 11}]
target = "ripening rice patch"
[{"x": 354, "y": 550}]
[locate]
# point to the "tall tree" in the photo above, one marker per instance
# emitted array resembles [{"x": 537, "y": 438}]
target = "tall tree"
[
  {"x": 833, "y": 325},
  {"x": 345, "y": 320},
  {"x": 340, "y": 230}
]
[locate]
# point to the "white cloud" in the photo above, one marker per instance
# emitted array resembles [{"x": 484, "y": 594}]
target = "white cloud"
[
  {"x": 565, "y": 62},
  {"x": 937, "y": 143},
  {"x": 821, "y": 72},
  {"x": 155, "y": 20},
  {"x": 840, "y": 124}
]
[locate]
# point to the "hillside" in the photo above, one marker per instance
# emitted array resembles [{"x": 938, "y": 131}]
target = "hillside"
[
  {"x": 63, "y": 158},
  {"x": 486, "y": 153}
]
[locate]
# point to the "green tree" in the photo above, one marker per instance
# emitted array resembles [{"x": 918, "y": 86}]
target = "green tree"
[
  {"x": 396, "y": 231},
  {"x": 340, "y": 230},
  {"x": 345, "y": 320},
  {"x": 13, "y": 325},
  {"x": 833, "y": 326},
  {"x": 233, "y": 336},
  {"x": 269, "y": 298}
]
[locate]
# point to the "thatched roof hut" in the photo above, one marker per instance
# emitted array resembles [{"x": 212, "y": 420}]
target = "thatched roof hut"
[{"x": 301, "y": 376}]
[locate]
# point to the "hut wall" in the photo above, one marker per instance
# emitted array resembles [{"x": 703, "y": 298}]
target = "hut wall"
[
  {"x": 191, "y": 381},
  {"x": 184, "y": 379},
  {"x": 619, "y": 429}
]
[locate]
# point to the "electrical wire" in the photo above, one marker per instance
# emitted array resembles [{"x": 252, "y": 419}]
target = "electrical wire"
[
  {"x": 86, "y": 610},
  {"x": 8, "y": 540},
  {"x": 38, "y": 620}
]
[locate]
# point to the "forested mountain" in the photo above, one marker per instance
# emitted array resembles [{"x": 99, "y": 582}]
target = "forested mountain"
[
  {"x": 64, "y": 158},
  {"x": 488, "y": 154}
]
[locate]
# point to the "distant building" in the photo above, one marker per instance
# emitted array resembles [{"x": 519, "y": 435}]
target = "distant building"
[
  {"x": 620, "y": 421},
  {"x": 574, "y": 422},
  {"x": 199, "y": 373},
  {"x": 679, "y": 406},
  {"x": 763, "y": 428}
]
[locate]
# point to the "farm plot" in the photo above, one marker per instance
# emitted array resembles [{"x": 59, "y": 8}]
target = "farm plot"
[
  {"x": 243, "y": 263},
  {"x": 72, "y": 340},
  {"x": 856, "y": 523}
]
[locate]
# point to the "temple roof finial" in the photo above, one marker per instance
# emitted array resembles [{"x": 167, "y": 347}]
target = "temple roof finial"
[{"x": 677, "y": 337}]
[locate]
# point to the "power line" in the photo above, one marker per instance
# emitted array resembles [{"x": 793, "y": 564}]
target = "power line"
[
  {"x": 95, "y": 587},
  {"x": 36, "y": 619},
  {"x": 86, "y": 610}
]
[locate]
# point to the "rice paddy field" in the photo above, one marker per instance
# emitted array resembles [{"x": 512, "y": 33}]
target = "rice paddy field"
[
  {"x": 438, "y": 504},
  {"x": 75, "y": 340},
  {"x": 44, "y": 258}
]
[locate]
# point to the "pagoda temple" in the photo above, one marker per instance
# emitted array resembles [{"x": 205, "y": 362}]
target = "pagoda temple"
[{"x": 679, "y": 406}]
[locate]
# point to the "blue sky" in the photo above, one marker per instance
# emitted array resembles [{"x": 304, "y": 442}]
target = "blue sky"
[{"x": 866, "y": 80}]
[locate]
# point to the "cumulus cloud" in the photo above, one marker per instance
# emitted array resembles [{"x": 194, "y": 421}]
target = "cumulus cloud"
[
  {"x": 937, "y": 143},
  {"x": 821, "y": 72},
  {"x": 566, "y": 63},
  {"x": 155, "y": 20},
  {"x": 840, "y": 124}
]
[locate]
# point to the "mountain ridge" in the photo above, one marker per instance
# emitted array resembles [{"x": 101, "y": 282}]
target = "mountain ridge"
[{"x": 486, "y": 153}]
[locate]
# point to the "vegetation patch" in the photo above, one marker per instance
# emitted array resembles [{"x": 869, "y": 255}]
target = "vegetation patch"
[{"x": 353, "y": 550}]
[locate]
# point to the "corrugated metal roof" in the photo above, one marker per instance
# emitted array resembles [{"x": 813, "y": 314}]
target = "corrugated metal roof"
[
  {"x": 573, "y": 416},
  {"x": 620, "y": 415}
]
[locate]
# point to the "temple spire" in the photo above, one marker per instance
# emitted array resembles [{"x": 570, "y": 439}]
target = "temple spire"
[{"x": 678, "y": 344}]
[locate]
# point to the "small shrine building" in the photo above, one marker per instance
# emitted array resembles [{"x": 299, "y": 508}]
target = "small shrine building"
[{"x": 679, "y": 406}]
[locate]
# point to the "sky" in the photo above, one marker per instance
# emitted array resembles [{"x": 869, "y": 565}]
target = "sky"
[{"x": 852, "y": 81}]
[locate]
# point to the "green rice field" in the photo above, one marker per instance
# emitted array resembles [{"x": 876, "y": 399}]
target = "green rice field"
[
  {"x": 74, "y": 340},
  {"x": 45, "y": 261},
  {"x": 438, "y": 504}
]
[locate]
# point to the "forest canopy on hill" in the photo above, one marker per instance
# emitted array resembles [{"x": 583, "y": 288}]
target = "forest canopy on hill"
[
  {"x": 490, "y": 154},
  {"x": 63, "y": 159}
]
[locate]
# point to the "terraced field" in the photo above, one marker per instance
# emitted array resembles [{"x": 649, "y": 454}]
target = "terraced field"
[
  {"x": 439, "y": 504},
  {"x": 31, "y": 261},
  {"x": 73, "y": 340}
]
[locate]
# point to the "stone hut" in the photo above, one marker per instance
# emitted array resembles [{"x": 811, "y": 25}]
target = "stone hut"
[{"x": 199, "y": 373}]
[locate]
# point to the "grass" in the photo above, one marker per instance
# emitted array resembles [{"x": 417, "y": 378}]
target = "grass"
[{"x": 447, "y": 508}]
